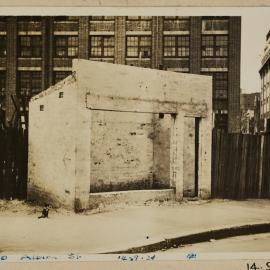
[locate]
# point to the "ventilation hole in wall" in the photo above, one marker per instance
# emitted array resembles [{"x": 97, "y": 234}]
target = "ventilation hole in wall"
[
  {"x": 41, "y": 107},
  {"x": 61, "y": 94},
  {"x": 161, "y": 115}
]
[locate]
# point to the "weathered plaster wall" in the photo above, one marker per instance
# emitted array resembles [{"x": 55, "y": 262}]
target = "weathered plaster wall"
[
  {"x": 121, "y": 151},
  {"x": 107, "y": 133},
  {"x": 51, "y": 165},
  {"x": 128, "y": 89},
  {"x": 132, "y": 89}
]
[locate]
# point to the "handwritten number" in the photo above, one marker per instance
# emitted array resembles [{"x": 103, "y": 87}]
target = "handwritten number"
[
  {"x": 193, "y": 256},
  {"x": 136, "y": 258},
  {"x": 252, "y": 267}
]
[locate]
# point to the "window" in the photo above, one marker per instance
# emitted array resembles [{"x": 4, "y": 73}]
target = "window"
[
  {"x": 220, "y": 84},
  {"x": 30, "y": 46},
  {"x": 102, "y": 46},
  {"x": 29, "y": 24},
  {"x": 3, "y": 46},
  {"x": 215, "y": 25},
  {"x": 3, "y": 24},
  {"x": 66, "y": 18},
  {"x": 137, "y": 18},
  {"x": 139, "y": 23},
  {"x": 29, "y": 83},
  {"x": 176, "y": 23},
  {"x": 2, "y": 83},
  {"x": 221, "y": 121},
  {"x": 139, "y": 46},
  {"x": 66, "y": 24},
  {"x": 66, "y": 46},
  {"x": 221, "y": 46},
  {"x": 215, "y": 46},
  {"x": 176, "y": 46},
  {"x": 102, "y": 18},
  {"x": 60, "y": 75}
]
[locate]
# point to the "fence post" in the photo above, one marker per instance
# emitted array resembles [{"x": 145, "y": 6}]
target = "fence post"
[{"x": 261, "y": 167}]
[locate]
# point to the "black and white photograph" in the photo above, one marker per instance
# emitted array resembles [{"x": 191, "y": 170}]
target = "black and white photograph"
[{"x": 135, "y": 132}]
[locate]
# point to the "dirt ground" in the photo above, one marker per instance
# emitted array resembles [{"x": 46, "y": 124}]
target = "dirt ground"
[
  {"x": 20, "y": 207},
  {"x": 118, "y": 227}
]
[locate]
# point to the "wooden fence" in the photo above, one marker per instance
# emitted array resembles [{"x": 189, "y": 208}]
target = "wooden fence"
[
  {"x": 240, "y": 166},
  {"x": 13, "y": 163}
]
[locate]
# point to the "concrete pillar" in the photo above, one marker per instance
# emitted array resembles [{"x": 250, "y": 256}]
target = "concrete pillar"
[
  {"x": 120, "y": 40},
  {"x": 176, "y": 156},
  {"x": 84, "y": 37},
  {"x": 204, "y": 174},
  {"x": 157, "y": 42},
  {"x": 189, "y": 156},
  {"x": 195, "y": 44},
  {"x": 82, "y": 155},
  {"x": 234, "y": 74},
  {"x": 11, "y": 72}
]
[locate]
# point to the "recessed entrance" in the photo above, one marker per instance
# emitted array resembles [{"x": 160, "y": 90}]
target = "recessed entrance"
[{"x": 191, "y": 156}]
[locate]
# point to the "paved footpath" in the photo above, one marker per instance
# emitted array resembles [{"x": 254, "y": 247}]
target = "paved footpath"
[{"x": 124, "y": 228}]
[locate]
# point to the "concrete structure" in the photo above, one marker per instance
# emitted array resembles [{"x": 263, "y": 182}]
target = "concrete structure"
[
  {"x": 250, "y": 113},
  {"x": 111, "y": 127},
  {"x": 265, "y": 85},
  {"x": 37, "y": 52}
]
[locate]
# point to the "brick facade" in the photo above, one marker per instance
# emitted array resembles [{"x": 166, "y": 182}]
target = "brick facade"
[
  {"x": 120, "y": 40},
  {"x": 11, "y": 69},
  {"x": 116, "y": 30},
  {"x": 195, "y": 45},
  {"x": 234, "y": 75}
]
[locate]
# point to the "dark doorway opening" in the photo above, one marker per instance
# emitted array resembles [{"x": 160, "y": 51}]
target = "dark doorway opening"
[{"x": 197, "y": 143}]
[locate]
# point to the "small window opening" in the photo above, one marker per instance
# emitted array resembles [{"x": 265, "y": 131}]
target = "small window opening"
[
  {"x": 61, "y": 94},
  {"x": 161, "y": 115},
  {"x": 41, "y": 107}
]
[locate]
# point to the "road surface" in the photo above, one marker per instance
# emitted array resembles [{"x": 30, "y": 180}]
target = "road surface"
[{"x": 246, "y": 243}]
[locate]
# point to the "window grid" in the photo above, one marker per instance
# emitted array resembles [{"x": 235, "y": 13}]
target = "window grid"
[
  {"x": 220, "y": 85},
  {"x": 138, "y": 46},
  {"x": 30, "y": 46},
  {"x": 3, "y": 46},
  {"x": 66, "y": 46},
  {"x": 29, "y": 83},
  {"x": 139, "y": 23},
  {"x": 60, "y": 75},
  {"x": 139, "y": 18},
  {"x": 215, "y": 25},
  {"x": 176, "y": 23},
  {"x": 176, "y": 46},
  {"x": 102, "y": 18},
  {"x": 66, "y": 18},
  {"x": 215, "y": 46},
  {"x": 102, "y": 46}
]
